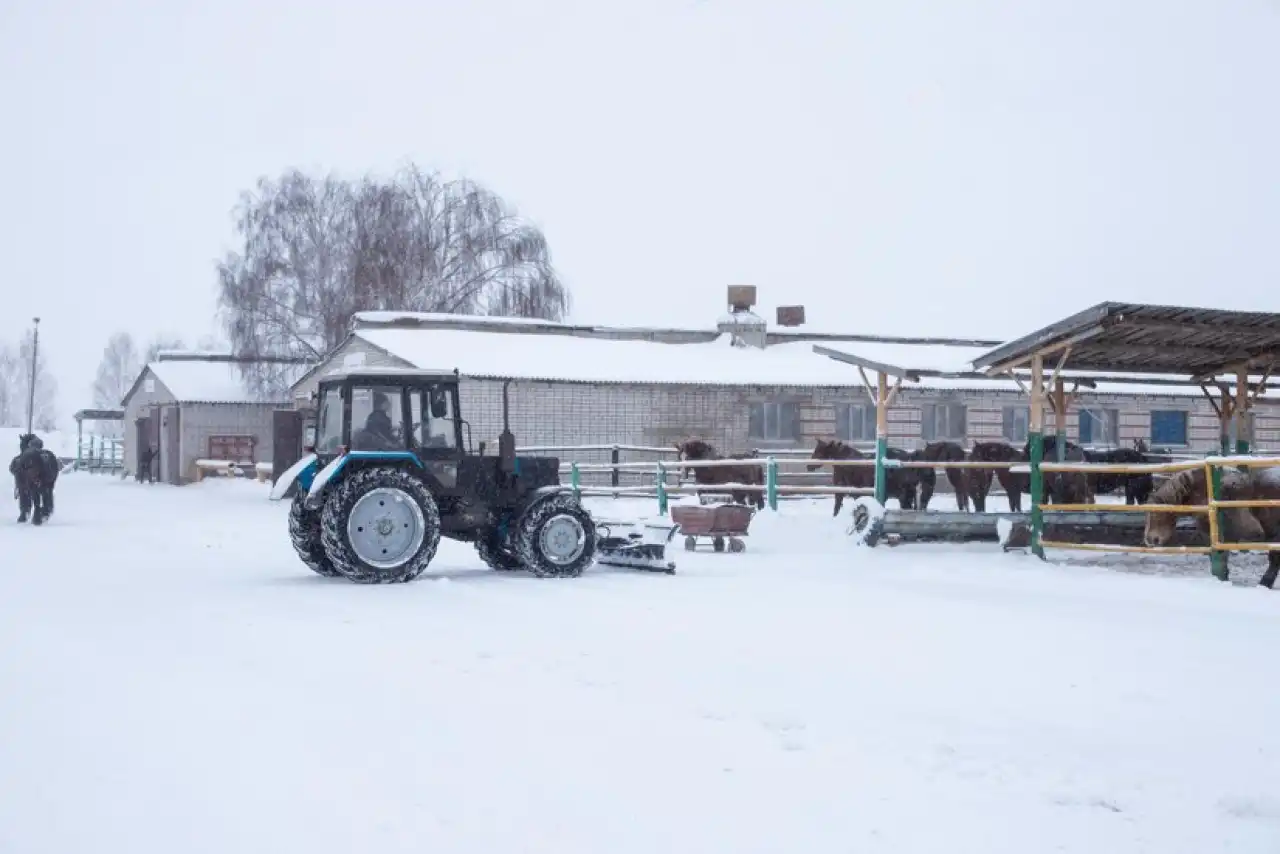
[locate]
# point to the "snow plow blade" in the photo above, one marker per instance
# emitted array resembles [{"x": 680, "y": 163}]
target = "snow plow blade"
[{"x": 638, "y": 545}]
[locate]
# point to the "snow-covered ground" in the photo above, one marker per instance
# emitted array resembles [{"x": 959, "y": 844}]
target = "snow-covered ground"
[{"x": 172, "y": 679}]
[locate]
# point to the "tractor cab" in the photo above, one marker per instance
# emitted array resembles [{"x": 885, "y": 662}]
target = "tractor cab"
[{"x": 385, "y": 411}]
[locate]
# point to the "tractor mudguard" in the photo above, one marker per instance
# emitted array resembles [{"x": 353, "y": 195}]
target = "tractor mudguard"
[
  {"x": 315, "y": 492},
  {"x": 303, "y": 471},
  {"x": 540, "y": 494}
]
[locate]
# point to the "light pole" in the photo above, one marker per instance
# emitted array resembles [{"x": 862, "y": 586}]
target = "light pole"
[{"x": 31, "y": 392}]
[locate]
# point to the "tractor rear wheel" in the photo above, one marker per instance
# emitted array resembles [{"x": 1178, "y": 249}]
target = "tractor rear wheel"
[
  {"x": 556, "y": 538},
  {"x": 304, "y": 532},
  {"x": 496, "y": 554},
  {"x": 380, "y": 526}
]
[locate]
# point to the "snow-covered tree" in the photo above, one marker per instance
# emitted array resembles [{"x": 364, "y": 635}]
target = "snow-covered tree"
[
  {"x": 315, "y": 250},
  {"x": 12, "y": 404},
  {"x": 46, "y": 392},
  {"x": 116, "y": 372}
]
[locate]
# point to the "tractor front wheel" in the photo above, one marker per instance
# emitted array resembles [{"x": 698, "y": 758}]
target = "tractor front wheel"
[
  {"x": 380, "y": 526},
  {"x": 304, "y": 533},
  {"x": 556, "y": 538}
]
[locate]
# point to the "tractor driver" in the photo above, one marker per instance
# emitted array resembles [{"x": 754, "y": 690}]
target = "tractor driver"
[{"x": 379, "y": 421}]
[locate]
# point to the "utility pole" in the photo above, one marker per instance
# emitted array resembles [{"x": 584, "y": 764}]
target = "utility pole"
[{"x": 31, "y": 392}]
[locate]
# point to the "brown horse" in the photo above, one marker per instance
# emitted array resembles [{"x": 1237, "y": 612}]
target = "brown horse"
[
  {"x": 748, "y": 475},
  {"x": 944, "y": 452},
  {"x": 1012, "y": 483},
  {"x": 1062, "y": 487},
  {"x": 899, "y": 483},
  {"x": 1239, "y": 524},
  {"x": 1137, "y": 487}
]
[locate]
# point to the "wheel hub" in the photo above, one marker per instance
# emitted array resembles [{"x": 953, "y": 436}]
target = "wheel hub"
[
  {"x": 386, "y": 528},
  {"x": 562, "y": 539}
]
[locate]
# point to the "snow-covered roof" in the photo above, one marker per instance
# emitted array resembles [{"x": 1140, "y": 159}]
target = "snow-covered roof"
[
  {"x": 577, "y": 359},
  {"x": 484, "y": 354},
  {"x": 192, "y": 381},
  {"x": 392, "y": 317}
]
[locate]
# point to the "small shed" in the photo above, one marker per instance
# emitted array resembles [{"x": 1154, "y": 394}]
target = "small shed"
[{"x": 187, "y": 407}]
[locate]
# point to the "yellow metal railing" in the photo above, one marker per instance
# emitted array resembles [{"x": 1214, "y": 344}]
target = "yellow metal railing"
[{"x": 1217, "y": 548}]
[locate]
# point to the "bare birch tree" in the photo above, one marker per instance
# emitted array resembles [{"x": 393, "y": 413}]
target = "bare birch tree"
[
  {"x": 117, "y": 372},
  {"x": 317, "y": 250},
  {"x": 45, "y": 401},
  {"x": 12, "y": 405}
]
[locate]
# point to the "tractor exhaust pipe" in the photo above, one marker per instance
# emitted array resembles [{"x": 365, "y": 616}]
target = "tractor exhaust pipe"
[{"x": 506, "y": 442}]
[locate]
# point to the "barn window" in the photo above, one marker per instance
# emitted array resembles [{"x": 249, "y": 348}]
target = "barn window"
[
  {"x": 856, "y": 422},
  {"x": 779, "y": 422},
  {"x": 1017, "y": 424},
  {"x": 1099, "y": 426},
  {"x": 942, "y": 421},
  {"x": 1169, "y": 427}
]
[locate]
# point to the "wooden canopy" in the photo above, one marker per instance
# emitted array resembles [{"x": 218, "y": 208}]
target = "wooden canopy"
[{"x": 1197, "y": 343}]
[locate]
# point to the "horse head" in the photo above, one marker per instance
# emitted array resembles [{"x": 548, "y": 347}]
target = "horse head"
[
  {"x": 821, "y": 449},
  {"x": 694, "y": 449},
  {"x": 1178, "y": 489}
]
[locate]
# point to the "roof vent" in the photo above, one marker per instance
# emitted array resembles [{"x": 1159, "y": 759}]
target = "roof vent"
[
  {"x": 791, "y": 315},
  {"x": 747, "y": 328},
  {"x": 741, "y": 297}
]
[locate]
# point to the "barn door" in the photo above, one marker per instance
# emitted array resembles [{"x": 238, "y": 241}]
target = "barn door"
[
  {"x": 142, "y": 437},
  {"x": 286, "y": 440},
  {"x": 172, "y": 445}
]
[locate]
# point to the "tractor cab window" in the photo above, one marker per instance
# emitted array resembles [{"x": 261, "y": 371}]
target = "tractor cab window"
[
  {"x": 434, "y": 424},
  {"x": 377, "y": 419},
  {"x": 328, "y": 427}
]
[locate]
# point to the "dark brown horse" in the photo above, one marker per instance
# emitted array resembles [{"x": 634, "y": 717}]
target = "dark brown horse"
[
  {"x": 1239, "y": 524},
  {"x": 35, "y": 473},
  {"x": 1013, "y": 483},
  {"x": 1137, "y": 487},
  {"x": 1062, "y": 487},
  {"x": 944, "y": 452},
  {"x": 748, "y": 475},
  {"x": 899, "y": 483}
]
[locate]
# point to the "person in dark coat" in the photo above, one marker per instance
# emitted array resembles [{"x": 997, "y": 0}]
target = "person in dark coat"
[{"x": 146, "y": 459}]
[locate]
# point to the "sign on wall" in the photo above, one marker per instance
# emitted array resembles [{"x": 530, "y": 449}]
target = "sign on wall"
[{"x": 234, "y": 449}]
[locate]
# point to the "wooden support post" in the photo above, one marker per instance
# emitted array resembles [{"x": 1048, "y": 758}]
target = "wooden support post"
[
  {"x": 79, "y": 443},
  {"x": 575, "y": 480},
  {"x": 1035, "y": 436},
  {"x": 1242, "y": 411},
  {"x": 882, "y": 437},
  {"x": 662, "y": 489},
  {"x": 1225, "y": 415},
  {"x": 771, "y": 483},
  {"x": 1217, "y": 557},
  {"x": 1060, "y": 417}
]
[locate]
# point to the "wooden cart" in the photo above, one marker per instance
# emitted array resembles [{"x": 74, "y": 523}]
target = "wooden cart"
[{"x": 717, "y": 522}]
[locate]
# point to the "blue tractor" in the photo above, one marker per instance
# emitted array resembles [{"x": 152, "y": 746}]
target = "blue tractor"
[{"x": 389, "y": 475}]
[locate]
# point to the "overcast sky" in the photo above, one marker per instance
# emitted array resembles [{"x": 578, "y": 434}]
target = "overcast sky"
[{"x": 968, "y": 167}]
